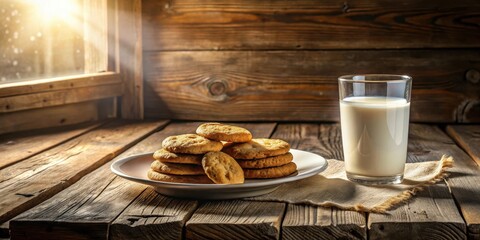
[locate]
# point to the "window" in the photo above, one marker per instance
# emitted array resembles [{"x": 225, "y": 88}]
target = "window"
[
  {"x": 46, "y": 38},
  {"x": 62, "y": 57}
]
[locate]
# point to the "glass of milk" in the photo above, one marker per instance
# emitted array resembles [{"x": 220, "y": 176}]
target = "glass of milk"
[{"x": 374, "y": 113}]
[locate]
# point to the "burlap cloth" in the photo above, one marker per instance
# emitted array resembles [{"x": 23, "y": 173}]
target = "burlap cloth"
[{"x": 331, "y": 188}]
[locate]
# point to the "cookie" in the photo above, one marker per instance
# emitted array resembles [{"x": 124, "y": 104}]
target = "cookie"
[
  {"x": 267, "y": 162},
  {"x": 163, "y": 155},
  {"x": 178, "y": 178},
  {"x": 273, "y": 172},
  {"x": 227, "y": 144},
  {"x": 258, "y": 148},
  {"x": 191, "y": 144},
  {"x": 222, "y": 169},
  {"x": 223, "y": 132},
  {"x": 176, "y": 168}
]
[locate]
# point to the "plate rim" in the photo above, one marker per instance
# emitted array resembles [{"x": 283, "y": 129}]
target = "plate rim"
[{"x": 115, "y": 168}]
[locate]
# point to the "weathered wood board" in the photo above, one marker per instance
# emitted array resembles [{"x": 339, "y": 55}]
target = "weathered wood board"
[
  {"x": 16, "y": 147},
  {"x": 301, "y": 85},
  {"x": 309, "y": 24},
  {"x": 468, "y": 138},
  {"x": 29, "y": 182}
]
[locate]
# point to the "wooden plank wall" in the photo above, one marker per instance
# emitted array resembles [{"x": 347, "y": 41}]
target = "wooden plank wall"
[{"x": 279, "y": 60}]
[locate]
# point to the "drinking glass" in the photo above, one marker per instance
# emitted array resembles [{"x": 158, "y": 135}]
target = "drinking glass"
[{"x": 374, "y": 113}]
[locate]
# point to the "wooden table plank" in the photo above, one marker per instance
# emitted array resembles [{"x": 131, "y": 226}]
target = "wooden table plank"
[
  {"x": 266, "y": 86},
  {"x": 430, "y": 215},
  {"x": 38, "y": 178},
  {"x": 308, "y": 24},
  {"x": 235, "y": 220},
  {"x": 98, "y": 198},
  {"x": 16, "y": 147},
  {"x": 308, "y": 222},
  {"x": 468, "y": 138},
  {"x": 429, "y": 143},
  {"x": 151, "y": 215}
]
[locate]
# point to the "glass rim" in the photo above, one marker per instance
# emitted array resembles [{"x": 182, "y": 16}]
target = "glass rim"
[{"x": 388, "y": 78}]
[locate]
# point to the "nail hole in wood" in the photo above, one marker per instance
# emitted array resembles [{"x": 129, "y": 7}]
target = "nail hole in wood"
[{"x": 24, "y": 194}]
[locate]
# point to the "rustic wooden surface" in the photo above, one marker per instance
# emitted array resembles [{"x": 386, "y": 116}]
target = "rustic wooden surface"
[
  {"x": 432, "y": 214},
  {"x": 153, "y": 216},
  {"x": 96, "y": 51},
  {"x": 56, "y": 98},
  {"x": 468, "y": 138},
  {"x": 49, "y": 117},
  {"x": 58, "y": 84},
  {"x": 236, "y": 220},
  {"x": 463, "y": 182},
  {"x": 309, "y": 24},
  {"x": 129, "y": 29},
  {"x": 301, "y": 85},
  {"x": 90, "y": 205},
  {"x": 237, "y": 60},
  {"x": 101, "y": 205},
  {"x": 29, "y": 182},
  {"x": 58, "y": 101},
  {"x": 16, "y": 147},
  {"x": 309, "y": 222}
]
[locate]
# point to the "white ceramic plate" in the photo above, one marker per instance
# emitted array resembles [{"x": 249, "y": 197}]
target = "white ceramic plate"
[{"x": 135, "y": 168}]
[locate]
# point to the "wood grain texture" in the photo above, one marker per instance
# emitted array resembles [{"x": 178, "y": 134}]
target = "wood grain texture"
[
  {"x": 130, "y": 56},
  {"x": 468, "y": 138},
  {"x": 309, "y": 24},
  {"x": 28, "y": 183},
  {"x": 91, "y": 204},
  {"x": 59, "y": 83},
  {"x": 310, "y": 222},
  {"x": 49, "y": 117},
  {"x": 19, "y": 146},
  {"x": 236, "y": 219},
  {"x": 96, "y": 36},
  {"x": 428, "y": 143},
  {"x": 300, "y": 85},
  {"x": 56, "y": 98},
  {"x": 153, "y": 216},
  {"x": 431, "y": 214}
]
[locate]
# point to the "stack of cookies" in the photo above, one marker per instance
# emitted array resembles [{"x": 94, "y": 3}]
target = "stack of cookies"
[
  {"x": 198, "y": 158},
  {"x": 263, "y": 158},
  {"x": 180, "y": 159}
]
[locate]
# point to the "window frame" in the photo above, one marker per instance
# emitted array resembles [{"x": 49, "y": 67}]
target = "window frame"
[{"x": 121, "y": 84}]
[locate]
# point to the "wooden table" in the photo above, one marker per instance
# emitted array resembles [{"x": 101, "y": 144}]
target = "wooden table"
[{"x": 57, "y": 184}]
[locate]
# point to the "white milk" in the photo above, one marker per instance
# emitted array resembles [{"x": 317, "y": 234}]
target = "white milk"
[{"x": 374, "y": 135}]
